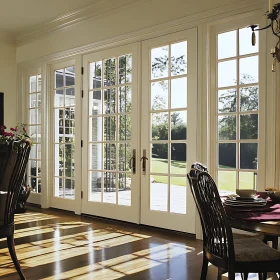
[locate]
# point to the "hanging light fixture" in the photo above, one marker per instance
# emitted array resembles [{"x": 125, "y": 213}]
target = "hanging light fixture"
[{"x": 273, "y": 15}]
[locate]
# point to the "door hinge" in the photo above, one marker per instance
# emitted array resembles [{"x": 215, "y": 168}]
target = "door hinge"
[
  {"x": 82, "y": 93},
  {"x": 82, "y": 194},
  {"x": 82, "y": 143},
  {"x": 82, "y": 70}
]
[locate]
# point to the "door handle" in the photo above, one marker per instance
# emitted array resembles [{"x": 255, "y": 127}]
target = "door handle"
[
  {"x": 132, "y": 161},
  {"x": 143, "y": 159}
]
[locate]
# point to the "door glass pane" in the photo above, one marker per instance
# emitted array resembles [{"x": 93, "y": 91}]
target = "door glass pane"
[
  {"x": 249, "y": 98},
  {"x": 32, "y": 84},
  {"x": 178, "y": 195},
  {"x": 109, "y": 106},
  {"x": 179, "y": 58},
  {"x": 247, "y": 180},
  {"x": 159, "y": 95},
  {"x": 59, "y": 78},
  {"x": 179, "y": 93},
  {"x": 245, "y": 45},
  {"x": 227, "y": 127},
  {"x": 227, "y": 73},
  {"x": 227, "y": 155},
  {"x": 160, "y": 126},
  {"x": 227, "y": 180},
  {"x": 248, "y": 155},
  {"x": 70, "y": 76},
  {"x": 227, "y": 100},
  {"x": 159, "y": 193},
  {"x": 178, "y": 163},
  {"x": 124, "y": 157},
  {"x": 109, "y": 72},
  {"x": 110, "y": 128},
  {"x": 178, "y": 121},
  {"x": 226, "y": 50},
  {"x": 249, "y": 126},
  {"x": 125, "y": 69},
  {"x": 159, "y": 162},
  {"x": 249, "y": 70},
  {"x": 124, "y": 197},
  {"x": 125, "y": 98},
  {"x": 95, "y": 183},
  {"x": 110, "y": 187},
  {"x": 95, "y": 70},
  {"x": 159, "y": 62}
]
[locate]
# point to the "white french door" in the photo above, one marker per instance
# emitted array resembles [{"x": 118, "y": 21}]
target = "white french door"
[
  {"x": 135, "y": 142},
  {"x": 168, "y": 130},
  {"x": 110, "y": 170}
]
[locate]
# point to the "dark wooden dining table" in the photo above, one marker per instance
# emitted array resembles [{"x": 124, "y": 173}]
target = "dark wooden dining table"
[{"x": 264, "y": 219}]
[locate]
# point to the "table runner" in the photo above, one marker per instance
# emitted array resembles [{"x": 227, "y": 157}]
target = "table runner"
[{"x": 269, "y": 212}]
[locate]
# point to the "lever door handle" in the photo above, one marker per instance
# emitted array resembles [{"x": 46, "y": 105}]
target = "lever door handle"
[
  {"x": 132, "y": 161},
  {"x": 143, "y": 159}
]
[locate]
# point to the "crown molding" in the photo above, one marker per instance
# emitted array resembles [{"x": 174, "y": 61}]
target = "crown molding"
[
  {"x": 211, "y": 17},
  {"x": 99, "y": 9}
]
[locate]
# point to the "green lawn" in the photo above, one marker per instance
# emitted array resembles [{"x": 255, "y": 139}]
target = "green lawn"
[
  {"x": 177, "y": 167},
  {"x": 226, "y": 179}
]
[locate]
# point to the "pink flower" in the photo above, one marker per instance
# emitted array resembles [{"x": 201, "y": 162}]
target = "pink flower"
[
  {"x": 8, "y": 134},
  {"x": 13, "y": 129}
]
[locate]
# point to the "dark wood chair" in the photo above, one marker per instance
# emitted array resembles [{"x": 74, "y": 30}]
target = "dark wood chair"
[
  {"x": 219, "y": 248},
  {"x": 13, "y": 162}
]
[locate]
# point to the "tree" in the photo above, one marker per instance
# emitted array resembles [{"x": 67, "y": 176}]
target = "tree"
[{"x": 175, "y": 119}]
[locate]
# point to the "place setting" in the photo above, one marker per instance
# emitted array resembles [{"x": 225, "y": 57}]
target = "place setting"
[{"x": 245, "y": 198}]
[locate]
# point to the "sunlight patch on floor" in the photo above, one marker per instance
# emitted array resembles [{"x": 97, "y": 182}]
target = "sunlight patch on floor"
[
  {"x": 19, "y": 233},
  {"x": 32, "y": 217},
  {"x": 125, "y": 265},
  {"x": 64, "y": 247}
]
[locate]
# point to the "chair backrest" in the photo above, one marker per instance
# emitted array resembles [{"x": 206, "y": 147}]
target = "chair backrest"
[
  {"x": 13, "y": 163},
  {"x": 217, "y": 234}
]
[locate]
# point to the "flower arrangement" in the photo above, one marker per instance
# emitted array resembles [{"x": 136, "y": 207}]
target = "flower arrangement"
[{"x": 14, "y": 134}]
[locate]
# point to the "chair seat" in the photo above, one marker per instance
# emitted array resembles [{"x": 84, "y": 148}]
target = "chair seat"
[
  {"x": 254, "y": 250},
  {"x": 238, "y": 234}
]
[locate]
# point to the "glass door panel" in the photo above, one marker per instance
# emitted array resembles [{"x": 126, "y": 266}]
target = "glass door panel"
[
  {"x": 110, "y": 84},
  {"x": 64, "y": 132},
  {"x": 64, "y": 135},
  {"x": 34, "y": 130}
]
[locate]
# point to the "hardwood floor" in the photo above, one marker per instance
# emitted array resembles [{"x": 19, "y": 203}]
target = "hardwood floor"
[{"x": 56, "y": 245}]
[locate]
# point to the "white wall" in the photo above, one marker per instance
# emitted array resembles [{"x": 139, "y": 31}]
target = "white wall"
[
  {"x": 144, "y": 15},
  {"x": 8, "y": 73}
]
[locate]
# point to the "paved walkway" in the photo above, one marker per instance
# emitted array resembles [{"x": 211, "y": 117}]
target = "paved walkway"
[{"x": 158, "y": 200}]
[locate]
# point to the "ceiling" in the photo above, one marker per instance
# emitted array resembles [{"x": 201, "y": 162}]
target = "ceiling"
[{"x": 17, "y": 16}]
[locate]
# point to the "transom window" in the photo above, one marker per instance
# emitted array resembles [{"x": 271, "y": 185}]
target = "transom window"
[{"x": 237, "y": 114}]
